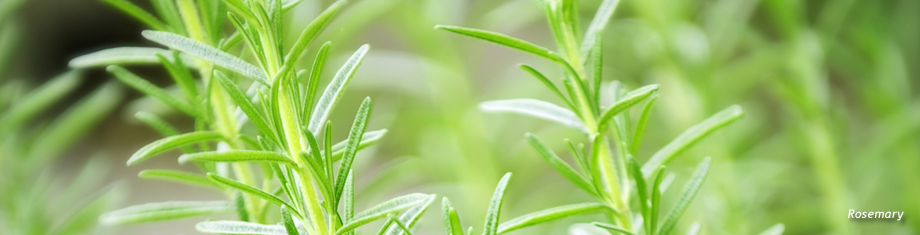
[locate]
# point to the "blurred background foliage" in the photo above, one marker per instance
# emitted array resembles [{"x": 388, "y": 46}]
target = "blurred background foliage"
[{"x": 831, "y": 123}]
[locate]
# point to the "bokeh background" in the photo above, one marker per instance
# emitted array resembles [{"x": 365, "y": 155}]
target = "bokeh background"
[{"x": 829, "y": 88}]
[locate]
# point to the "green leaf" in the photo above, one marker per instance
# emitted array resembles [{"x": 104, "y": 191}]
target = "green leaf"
[
  {"x": 536, "y": 108},
  {"x": 180, "y": 73},
  {"x": 354, "y": 138},
  {"x": 504, "y": 40},
  {"x": 85, "y": 216},
  {"x": 165, "y": 211},
  {"x": 288, "y": 221},
  {"x": 612, "y": 228},
  {"x": 641, "y": 186},
  {"x": 451, "y": 219},
  {"x": 687, "y": 195},
  {"x": 550, "y": 215},
  {"x": 179, "y": 177},
  {"x": 369, "y": 138},
  {"x": 642, "y": 123},
  {"x": 336, "y": 88},
  {"x": 558, "y": 164},
  {"x": 313, "y": 82},
  {"x": 76, "y": 121},
  {"x": 125, "y": 56},
  {"x": 138, "y": 13},
  {"x": 410, "y": 217},
  {"x": 250, "y": 190},
  {"x": 691, "y": 136},
  {"x": 349, "y": 195},
  {"x": 171, "y": 142},
  {"x": 157, "y": 123},
  {"x": 490, "y": 226},
  {"x": 402, "y": 226},
  {"x": 167, "y": 10},
  {"x": 246, "y": 106},
  {"x": 652, "y": 225},
  {"x": 239, "y": 227},
  {"x": 382, "y": 210},
  {"x": 694, "y": 228},
  {"x": 207, "y": 53},
  {"x": 307, "y": 36},
  {"x": 776, "y": 229},
  {"x": 549, "y": 84},
  {"x": 152, "y": 90},
  {"x": 238, "y": 156},
  {"x": 604, "y": 12},
  {"x": 41, "y": 98},
  {"x": 631, "y": 98}
]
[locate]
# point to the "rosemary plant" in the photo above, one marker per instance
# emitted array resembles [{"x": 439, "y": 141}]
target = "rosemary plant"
[
  {"x": 280, "y": 103},
  {"x": 607, "y": 171},
  {"x": 34, "y": 197}
]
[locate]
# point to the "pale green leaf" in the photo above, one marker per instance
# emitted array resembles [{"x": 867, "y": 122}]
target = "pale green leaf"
[
  {"x": 171, "y": 142},
  {"x": 382, "y": 210},
  {"x": 451, "y": 219},
  {"x": 642, "y": 123},
  {"x": 410, "y": 217},
  {"x": 652, "y": 225},
  {"x": 288, "y": 221},
  {"x": 336, "y": 88},
  {"x": 250, "y": 190},
  {"x": 307, "y": 36},
  {"x": 558, "y": 164},
  {"x": 691, "y": 136},
  {"x": 152, "y": 90},
  {"x": 125, "y": 56},
  {"x": 687, "y": 195},
  {"x": 536, "y": 108},
  {"x": 237, "y": 156},
  {"x": 549, "y": 84},
  {"x": 550, "y": 214},
  {"x": 80, "y": 118},
  {"x": 351, "y": 149},
  {"x": 246, "y": 106},
  {"x": 490, "y": 226},
  {"x": 367, "y": 139},
  {"x": 604, "y": 12},
  {"x": 631, "y": 98},
  {"x": 239, "y": 227},
  {"x": 611, "y": 227},
  {"x": 179, "y": 177},
  {"x": 165, "y": 211},
  {"x": 207, "y": 53},
  {"x": 695, "y": 228},
  {"x": 504, "y": 40}
]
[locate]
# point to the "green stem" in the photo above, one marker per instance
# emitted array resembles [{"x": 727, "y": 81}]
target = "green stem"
[{"x": 292, "y": 133}]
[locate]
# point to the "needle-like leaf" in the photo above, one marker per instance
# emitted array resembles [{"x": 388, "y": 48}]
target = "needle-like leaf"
[
  {"x": 77, "y": 120},
  {"x": 642, "y": 123},
  {"x": 451, "y": 219},
  {"x": 641, "y": 186},
  {"x": 504, "y": 40},
  {"x": 367, "y": 139},
  {"x": 152, "y": 90},
  {"x": 138, "y": 13},
  {"x": 549, "y": 84},
  {"x": 409, "y": 217},
  {"x": 246, "y": 106},
  {"x": 550, "y": 214},
  {"x": 382, "y": 210},
  {"x": 558, "y": 164},
  {"x": 125, "y": 56},
  {"x": 288, "y": 221},
  {"x": 687, "y": 195},
  {"x": 179, "y": 177},
  {"x": 631, "y": 98},
  {"x": 250, "y": 190},
  {"x": 354, "y": 138},
  {"x": 336, "y": 88},
  {"x": 536, "y": 108},
  {"x": 207, "y": 53},
  {"x": 652, "y": 225},
  {"x": 165, "y": 211},
  {"x": 604, "y": 12},
  {"x": 171, "y": 142},
  {"x": 612, "y": 228},
  {"x": 239, "y": 227},
  {"x": 349, "y": 195},
  {"x": 490, "y": 227},
  {"x": 691, "y": 136},
  {"x": 237, "y": 156},
  {"x": 307, "y": 36}
]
